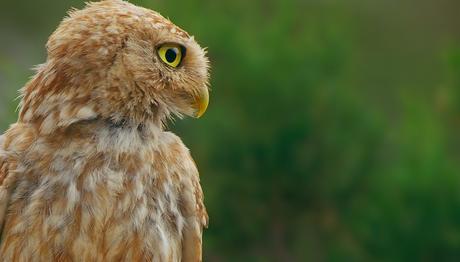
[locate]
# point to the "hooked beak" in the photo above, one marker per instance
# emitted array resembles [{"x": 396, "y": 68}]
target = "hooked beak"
[{"x": 201, "y": 102}]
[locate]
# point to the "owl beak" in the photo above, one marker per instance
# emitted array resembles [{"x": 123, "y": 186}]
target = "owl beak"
[{"x": 201, "y": 102}]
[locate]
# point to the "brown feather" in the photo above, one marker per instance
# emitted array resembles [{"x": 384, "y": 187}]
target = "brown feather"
[{"x": 88, "y": 172}]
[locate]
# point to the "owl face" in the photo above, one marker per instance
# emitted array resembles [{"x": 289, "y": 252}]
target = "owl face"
[
  {"x": 130, "y": 62},
  {"x": 169, "y": 66}
]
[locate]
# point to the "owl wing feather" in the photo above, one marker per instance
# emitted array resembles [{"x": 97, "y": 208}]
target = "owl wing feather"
[
  {"x": 192, "y": 205},
  {"x": 195, "y": 221},
  {"x": 5, "y": 184},
  {"x": 14, "y": 141}
]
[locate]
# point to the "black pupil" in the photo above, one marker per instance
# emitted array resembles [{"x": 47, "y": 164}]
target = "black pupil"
[{"x": 171, "y": 55}]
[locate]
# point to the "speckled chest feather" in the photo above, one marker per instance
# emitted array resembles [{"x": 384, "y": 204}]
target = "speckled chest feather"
[{"x": 98, "y": 192}]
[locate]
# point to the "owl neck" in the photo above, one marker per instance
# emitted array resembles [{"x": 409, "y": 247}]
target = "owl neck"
[{"x": 52, "y": 101}]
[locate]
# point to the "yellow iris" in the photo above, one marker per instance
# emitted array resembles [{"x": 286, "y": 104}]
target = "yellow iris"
[{"x": 171, "y": 54}]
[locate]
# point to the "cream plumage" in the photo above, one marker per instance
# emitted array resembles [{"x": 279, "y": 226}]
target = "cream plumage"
[{"x": 88, "y": 172}]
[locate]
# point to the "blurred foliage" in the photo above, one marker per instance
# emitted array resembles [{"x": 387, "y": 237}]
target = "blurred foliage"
[{"x": 332, "y": 133}]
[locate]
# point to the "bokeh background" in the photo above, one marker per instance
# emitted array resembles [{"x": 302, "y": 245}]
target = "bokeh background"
[{"x": 333, "y": 132}]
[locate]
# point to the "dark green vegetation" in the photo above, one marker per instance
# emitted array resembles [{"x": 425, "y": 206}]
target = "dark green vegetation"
[{"x": 332, "y": 132}]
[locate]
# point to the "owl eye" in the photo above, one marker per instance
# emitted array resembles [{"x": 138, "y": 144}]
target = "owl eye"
[{"x": 171, "y": 54}]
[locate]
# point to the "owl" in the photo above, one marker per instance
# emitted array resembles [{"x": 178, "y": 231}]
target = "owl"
[{"x": 89, "y": 172}]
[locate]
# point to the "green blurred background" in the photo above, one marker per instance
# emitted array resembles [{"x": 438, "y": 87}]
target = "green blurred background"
[{"x": 333, "y": 129}]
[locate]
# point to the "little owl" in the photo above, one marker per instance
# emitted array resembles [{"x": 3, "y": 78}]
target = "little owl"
[{"x": 88, "y": 172}]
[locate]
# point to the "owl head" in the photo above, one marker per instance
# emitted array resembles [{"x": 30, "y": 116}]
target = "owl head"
[{"x": 117, "y": 61}]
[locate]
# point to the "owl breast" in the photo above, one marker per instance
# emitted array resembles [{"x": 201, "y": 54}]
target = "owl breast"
[{"x": 98, "y": 193}]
